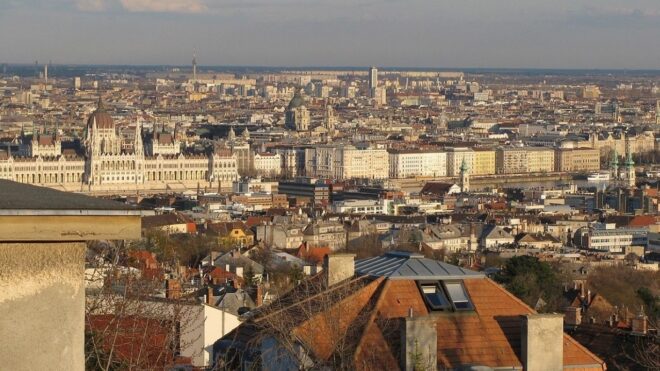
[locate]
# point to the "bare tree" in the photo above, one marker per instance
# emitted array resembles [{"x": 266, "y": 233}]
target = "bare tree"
[{"x": 130, "y": 320}]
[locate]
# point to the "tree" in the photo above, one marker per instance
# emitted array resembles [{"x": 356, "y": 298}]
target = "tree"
[{"x": 530, "y": 280}]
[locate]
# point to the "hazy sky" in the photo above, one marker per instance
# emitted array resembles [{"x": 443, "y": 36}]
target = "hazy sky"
[{"x": 407, "y": 33}]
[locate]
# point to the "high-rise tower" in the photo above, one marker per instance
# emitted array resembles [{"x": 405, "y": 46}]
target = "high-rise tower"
[
  {"x": 657, "y": 112},
  {"x": 373, "y": 80},
  {"x": 194, "y": 66}
]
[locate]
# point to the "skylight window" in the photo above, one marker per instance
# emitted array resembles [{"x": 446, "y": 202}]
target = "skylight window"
[
  {"x": 458, "y": 296},
  {"x": 445, "y": 296},
  {"x": 434, "y": 296}
]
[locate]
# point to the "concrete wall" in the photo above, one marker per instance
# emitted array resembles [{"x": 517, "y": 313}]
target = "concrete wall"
[
  {"x": 419, "y": 343},
  {"x": 42, "y": 306},
  {"x": 542, "y": 342}
]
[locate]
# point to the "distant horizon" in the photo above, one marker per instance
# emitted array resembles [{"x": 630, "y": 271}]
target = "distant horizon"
[{"x": 329, "y": 67}]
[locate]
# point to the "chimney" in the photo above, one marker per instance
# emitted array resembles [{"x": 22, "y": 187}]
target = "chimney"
[
  {"x": 640, "y": 324},
  {"x": 260, "y": 296},
  {"x": 542, "y": 342},
  {"x": 573, "y": 316},
  {"x": 419, "y": 343},
  {"x": 209, "y": 296},
  {"x": 338, "y": 267},
  {"x": 172, "y": 289}
]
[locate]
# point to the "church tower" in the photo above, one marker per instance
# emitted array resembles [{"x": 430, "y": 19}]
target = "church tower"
[
  {"x": 329, "y": 118},
  {"x": 465, "y": 177},
  {"x": 630, "y": 166},
  {"x": 614, "y": 165}
]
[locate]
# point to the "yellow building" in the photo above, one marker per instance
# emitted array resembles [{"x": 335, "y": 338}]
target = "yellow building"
[
  {"x": 484, "y": 162},
  {"x": 540, "y": 160},
  {"x": 577, "y": 160}
]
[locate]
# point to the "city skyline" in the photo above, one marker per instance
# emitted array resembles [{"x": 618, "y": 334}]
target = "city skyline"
[{"x": 510, "y": 34}]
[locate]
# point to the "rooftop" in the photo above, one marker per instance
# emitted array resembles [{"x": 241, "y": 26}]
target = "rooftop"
[
  {"x": 406, "y": 265},
  {"x": 18, "y": 198}
]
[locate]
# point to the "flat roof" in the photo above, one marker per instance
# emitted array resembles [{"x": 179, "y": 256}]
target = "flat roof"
[{"x": 25, "y": 199}]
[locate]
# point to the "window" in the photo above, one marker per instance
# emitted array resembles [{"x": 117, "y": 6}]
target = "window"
[
  {"x": 458, "y": 296},
  {"x": 445, "y": 296},
  {"x": 434, "y": 296}
]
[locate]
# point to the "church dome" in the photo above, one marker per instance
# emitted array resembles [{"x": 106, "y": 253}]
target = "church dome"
[
  {"x": 296, "y": 101},
  {"x": 102, "y": 118}
]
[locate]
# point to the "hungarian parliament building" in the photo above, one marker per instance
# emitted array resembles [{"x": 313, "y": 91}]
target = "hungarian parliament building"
[{"x": 110, "y": 162}]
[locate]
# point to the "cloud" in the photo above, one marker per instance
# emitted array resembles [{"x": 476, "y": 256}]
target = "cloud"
[
  {"x": 90, "y": 5},
  {"x": 164, "y": 6}
]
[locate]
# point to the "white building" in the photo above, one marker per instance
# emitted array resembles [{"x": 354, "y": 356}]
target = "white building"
[
  {"x": 347, "y": 162},
  {"x": 411, "y": 163},
  {"x": 267, "y": 164},
  {"x": 361, "y": 206}
]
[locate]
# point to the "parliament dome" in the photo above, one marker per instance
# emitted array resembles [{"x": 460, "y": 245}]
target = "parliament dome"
[{"x": 102, "y": 118}]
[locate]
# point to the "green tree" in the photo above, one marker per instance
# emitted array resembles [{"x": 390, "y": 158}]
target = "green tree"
[{"x": 531, "y": 279}]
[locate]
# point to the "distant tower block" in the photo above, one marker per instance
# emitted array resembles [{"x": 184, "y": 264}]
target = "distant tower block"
[
  {"x": 373, "y": 79},
  {"x": 657, "y": 112},
  {"x": 46, "y": 73},
  {"x": 76, "y": 83},
  {"x": 194, "y": 66}
]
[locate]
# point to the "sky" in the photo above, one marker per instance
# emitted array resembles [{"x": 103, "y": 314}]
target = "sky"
[{"x": 591, "y": 34}]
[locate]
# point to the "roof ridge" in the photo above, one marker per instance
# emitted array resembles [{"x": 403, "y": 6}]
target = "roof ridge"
[{"x": 373, "y": 315}]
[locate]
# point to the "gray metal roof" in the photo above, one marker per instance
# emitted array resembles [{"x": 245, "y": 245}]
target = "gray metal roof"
[{"x": 406, "y": 265}]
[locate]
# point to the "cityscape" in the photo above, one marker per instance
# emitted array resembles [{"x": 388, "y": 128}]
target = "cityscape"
[{"x": 222, "y": 214}]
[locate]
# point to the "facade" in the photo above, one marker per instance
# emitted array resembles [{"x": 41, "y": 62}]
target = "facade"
[
  {"x": 514, "y": 160},
  {"x": 511, "y": 160},
  {"x": 540, "y": 160},
  {"x": 456, "y": 157},
  {"x": 411, "y": 163},
  {"x": 346, "y": 162},
  {"x": 267, "y": 164},
  {"x": 577, "y": 160},
  {"x": 484, "y": 162},
  {"x": 109, "y": 161},
  {"x": 297, "y": 116}
]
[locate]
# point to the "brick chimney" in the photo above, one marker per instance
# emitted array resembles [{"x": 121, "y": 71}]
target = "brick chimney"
[
  {"x": 172, "y": 289},
  {"x": 338, "y": 267},
  {"x": 542, "y": 342},
  {"x": 210, "y": 299}
]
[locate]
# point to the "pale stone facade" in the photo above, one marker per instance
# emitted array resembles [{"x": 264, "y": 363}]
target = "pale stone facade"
[{"x": 410, "y": 163}]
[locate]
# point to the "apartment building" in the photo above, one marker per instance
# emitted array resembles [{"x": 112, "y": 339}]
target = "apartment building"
[
  {"x": 511, "y": 160},
  {"x": 484, "y": 162},
  {"x": 347, "y": 162},
  {"x": 411, "y": 163},
  {"x": 455, "y": 157},
  {"x": 514, "y": 160},
  {"x": 577, "y": 160}
]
